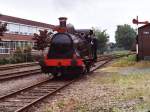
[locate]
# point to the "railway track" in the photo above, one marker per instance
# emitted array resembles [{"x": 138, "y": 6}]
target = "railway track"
[
  {"x": 12, "y": 75},
  {"x": 16, "y": 74},
  {"x": 114, "y": 56},
  {"x": 23, "y": 99},
  {"x": 20, "y": 65}
]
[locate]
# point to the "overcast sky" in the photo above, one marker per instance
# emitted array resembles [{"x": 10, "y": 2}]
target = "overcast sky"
[{"x": 104, "y": 14}]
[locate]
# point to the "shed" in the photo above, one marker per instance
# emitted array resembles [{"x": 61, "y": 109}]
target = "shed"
[{"x": 143, "y": 42}]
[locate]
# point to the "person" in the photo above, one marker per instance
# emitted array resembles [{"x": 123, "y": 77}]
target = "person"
[
  {"x": 93, "y": 44},
  {"x": 94, "y": 48}
]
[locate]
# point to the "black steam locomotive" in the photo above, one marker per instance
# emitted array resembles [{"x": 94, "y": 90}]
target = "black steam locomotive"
[{"x": 71, "y": 51}]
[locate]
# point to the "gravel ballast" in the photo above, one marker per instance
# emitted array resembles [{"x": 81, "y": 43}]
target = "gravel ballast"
[
  {"x": 83, "y": 96},
  {"x": 90, "y": 95},
  {"x": 106, "y": 90},
  {"x": 16, "y": 84}
]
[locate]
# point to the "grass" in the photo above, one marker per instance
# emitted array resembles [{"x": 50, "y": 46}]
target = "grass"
[
  {"x": 130, "y": 61},
  {"x": 122, "y": 80},
  {"x": 143, "y": 107},
  {"x": 115, "y": 109},
  {"x": 143, "y": 64},
  {"x": 125, "y": 61},
  {"x": 123, "y": 52},
  {"x": 67, "y": 105},
  {"x": 61, "y": 104},
  {"x": 81, "y": 108},
  {"x": 132, "y": 85}
]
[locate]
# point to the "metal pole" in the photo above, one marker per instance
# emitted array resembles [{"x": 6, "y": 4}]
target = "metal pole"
[{"x": 137, "y": 43}]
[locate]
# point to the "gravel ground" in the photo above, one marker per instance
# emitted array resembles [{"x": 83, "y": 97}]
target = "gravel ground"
[
  {"x": 88, "y": 95},
  {"x": 133, "y": 70},
  {"x": 83, "y": 96}
]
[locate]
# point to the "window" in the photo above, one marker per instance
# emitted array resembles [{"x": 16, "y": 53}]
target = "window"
[
  {"x": 50, "y": 30},
  {"x": 4, "y": 47},
  {"x": 31, "y": 30},
  {"x": 24, "y": 29},
  {"x": 42, "y": 29},
  {"x": 17, "y": 28},
  {"x": 4, "y": 44},
  {"x": 17, "y": 44},
  {"x": 37, "y": 30},
  {"x": 34, "y": 30},
  {"x": 13, "y": 45},
  {"x": 13, "y": 28},
  {"x": 4, "y": 51},
  {"x": 146, "y": 32}
]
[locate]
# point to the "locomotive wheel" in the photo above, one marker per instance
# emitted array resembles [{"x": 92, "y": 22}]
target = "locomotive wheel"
[
  {"x": 84, "y": 72},
  {"x": 49, "y": 74},
  {"x": 87, "y": 69},
  {"x": 70, "y": 76},
  {"x": 55, "y": 75}
]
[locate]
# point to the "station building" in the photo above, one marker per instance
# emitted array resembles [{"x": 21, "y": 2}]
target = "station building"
[
  {"x": 20, "y": 33},
  {"x": 143, "y": 42}
]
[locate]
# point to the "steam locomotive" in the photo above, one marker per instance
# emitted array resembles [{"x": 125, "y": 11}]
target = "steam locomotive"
[{"x": 71, "y": 52}]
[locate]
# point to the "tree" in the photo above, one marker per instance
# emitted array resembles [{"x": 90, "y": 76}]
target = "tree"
[
  {"x": 102, "y": 38},
  {"x": 27, "y": 53},
  {"x": 3, "y": 28},
  {"x": 42, "y": 40},
  {"x": 125, "y": 35}
]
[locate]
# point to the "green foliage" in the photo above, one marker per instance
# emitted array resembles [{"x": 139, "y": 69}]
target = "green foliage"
[
  {"x": 125, "y": 36},
  {"x": 115, "y": 109},
  {"x": 61, "y": 104},
  {"x": 42, "y": 40},
  {"x": 125, "y": 62},
  {"x": 27, "y": 54},
  {"x": 3, "y": 61},
  {"x": 3, "y": 28},
  {"x": 122, "y": 52},
  {"x": 81, "y": 108},
  {"x": 142, "y": 107},
  {"x": 134, "y": 86},
  {"x": 102, "y": 37},
  {"x": 19, "y": 56}
]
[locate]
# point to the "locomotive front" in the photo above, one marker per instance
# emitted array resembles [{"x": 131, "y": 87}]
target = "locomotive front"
[
  {"x": 69, "y": 54},
  {"x": 62, "y": 57}
]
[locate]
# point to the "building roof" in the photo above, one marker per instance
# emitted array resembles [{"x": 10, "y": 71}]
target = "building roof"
[
  {"x": 82, "y": 30},
  {"x": 144, "y": 26},
  {"x": 24, "y": 21},
  {"x": 16, "y": 37}
]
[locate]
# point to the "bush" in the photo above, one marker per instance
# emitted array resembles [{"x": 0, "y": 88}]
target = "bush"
[
  {"x": 22, "y": 55},
  {"x": 19, "y": 56},
  {"x": 27, "y": 54},
  {"x": 4, "y": 61}
]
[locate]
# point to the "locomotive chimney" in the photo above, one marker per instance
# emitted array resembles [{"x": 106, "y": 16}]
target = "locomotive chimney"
[{"x": 62, "y": 21}]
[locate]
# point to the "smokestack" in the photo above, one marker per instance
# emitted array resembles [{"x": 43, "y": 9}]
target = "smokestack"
[{"x": 62, "y": 21}]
